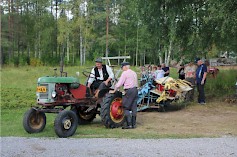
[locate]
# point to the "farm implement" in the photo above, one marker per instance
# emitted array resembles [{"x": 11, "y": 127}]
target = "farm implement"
[{"x": 162, "y": 92}]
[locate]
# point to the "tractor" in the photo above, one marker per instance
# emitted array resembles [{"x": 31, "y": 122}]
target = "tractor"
[{"x": 74, "y": 103}]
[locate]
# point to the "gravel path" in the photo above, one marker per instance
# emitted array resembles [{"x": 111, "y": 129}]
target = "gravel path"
[{"x": 98, "y": 147}]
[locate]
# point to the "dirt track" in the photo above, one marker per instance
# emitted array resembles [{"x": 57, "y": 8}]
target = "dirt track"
[{"x": 212, "y": 120}]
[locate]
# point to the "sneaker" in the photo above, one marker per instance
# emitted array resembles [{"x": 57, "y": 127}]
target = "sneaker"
[{"x": 202, "y": 103}]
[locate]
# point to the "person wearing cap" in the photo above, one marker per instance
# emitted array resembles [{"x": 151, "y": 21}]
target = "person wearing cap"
[
  {"x": 190, "y": 71},
  {"x": 201, "y": 74},
  {"x": 100, "y": 77},
  {"x": 129, "y": 81}
]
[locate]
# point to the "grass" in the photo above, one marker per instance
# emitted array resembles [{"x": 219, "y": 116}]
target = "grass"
[
  {"x": 18, "y": 86},
  {"x": 11, "y": 125}
]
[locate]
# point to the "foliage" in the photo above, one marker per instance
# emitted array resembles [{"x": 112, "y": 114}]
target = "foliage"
[
  {"x": 147, "y": 30},
  {"x": 35, "y": 62},
  {"x": 223, "y": 84}
]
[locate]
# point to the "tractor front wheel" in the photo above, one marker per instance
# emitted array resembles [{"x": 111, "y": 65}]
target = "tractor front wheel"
[
  {"x": 112, "y": 113},
  {"x": 34, "y": 121},
  {"x": 65, "y": 123}
]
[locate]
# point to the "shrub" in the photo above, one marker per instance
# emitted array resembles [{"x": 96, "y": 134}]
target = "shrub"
[
  {"x": 35, "y": 62},
  {"x": 223, "y": 84}
]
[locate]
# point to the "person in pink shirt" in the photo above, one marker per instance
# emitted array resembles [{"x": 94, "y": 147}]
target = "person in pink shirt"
[{"x": 129, "y": 82}]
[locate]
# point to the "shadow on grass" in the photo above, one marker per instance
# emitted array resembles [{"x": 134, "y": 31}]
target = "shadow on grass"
[{"x": 166, "y": 108}]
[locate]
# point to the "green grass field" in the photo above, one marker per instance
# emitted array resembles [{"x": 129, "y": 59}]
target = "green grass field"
[{"x": 18, "y": 87}]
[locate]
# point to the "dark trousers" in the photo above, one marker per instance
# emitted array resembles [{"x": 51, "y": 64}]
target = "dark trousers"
[
  {"x": 100, "y": 85},
  {"x": 130, "y": 101},
  {"x": 190, "y": 94},
  {"x": 201, "y": 94}
]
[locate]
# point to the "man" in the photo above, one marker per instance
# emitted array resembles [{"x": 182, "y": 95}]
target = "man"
[
  {"x": 201, "y": 74},
  {"x": 166, "y": 69},
  {"x": 190, "y": 71},
  {"x": 181, "y": 72},
  {"x": 128, "y": 79},
  {"x": 100, "y": 77}
]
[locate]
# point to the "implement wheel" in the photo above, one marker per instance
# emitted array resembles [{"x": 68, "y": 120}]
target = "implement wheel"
[
  {"x": 65, "y": 123},
  {"x": 34, "y": 121},
  {"x": 112, "y": 112}
]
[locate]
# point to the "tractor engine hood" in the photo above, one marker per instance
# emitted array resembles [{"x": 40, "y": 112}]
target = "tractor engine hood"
[{"x": 48, "y": 79}]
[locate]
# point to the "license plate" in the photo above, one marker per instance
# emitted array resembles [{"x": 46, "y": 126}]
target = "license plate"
[{"x": 41, "y": 89}]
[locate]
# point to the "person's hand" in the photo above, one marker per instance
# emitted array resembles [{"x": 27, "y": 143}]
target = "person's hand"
[
  {"x": 202, "y": 83},
  {"x": 112, "y": 91}
]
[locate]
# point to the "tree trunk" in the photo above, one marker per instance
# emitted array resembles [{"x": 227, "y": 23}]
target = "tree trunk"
[
  {"x": 81, "y": 53},
  {"x": 137, "y": 47},
  {"x": 1, "y": 60},
  {"x": 125, "y": 46},
  {"x": 85, "y": 46},
  {"x": 144, "y": 58},
  {"x": 160, "y": 57},
  {"x": 73, "y": 55},
  {"x": 84, "y": 53},
  {"x": 169, "y": 53},
  {"x": 166, "y": 54},
  {"x": 68, "y": 47},
  {"x": 10, "y": 30},
  {"x": 39, "y": 46},
  {"x": 107, "y": 30},
  {"x": 119, "y": 59},
  {"x": 141, "y": 58}
]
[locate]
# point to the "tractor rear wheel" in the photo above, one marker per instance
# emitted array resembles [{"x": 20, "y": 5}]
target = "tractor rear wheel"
[
  {"x": 112, "y": 113},
  {"x": 65, "y": 123},
  {"x": 83, "y": 117},
  {"x": 34, "y": 121}
]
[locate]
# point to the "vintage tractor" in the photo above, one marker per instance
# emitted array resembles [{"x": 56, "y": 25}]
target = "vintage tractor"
[{"x": 74, "y": 103}]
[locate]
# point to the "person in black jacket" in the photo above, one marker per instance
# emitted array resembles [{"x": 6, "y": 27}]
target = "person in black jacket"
[
  {"x": 100, "y": 77},
  {"x": 181, "y": 72}
]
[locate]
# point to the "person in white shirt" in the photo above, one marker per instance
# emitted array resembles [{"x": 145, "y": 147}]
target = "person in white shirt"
[
  {"x": 159, "y": 73},
  {"x": 100, "y": 77}
]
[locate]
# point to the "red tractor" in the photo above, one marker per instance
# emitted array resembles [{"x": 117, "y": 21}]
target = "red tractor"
[{"x": 74, "y": 103}]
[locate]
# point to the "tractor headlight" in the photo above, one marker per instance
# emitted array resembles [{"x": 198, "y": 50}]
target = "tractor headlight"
[{"x": 54, "y": 94}]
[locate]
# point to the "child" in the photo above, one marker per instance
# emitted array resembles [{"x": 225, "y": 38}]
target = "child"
[{"x": 159, "y": 72}]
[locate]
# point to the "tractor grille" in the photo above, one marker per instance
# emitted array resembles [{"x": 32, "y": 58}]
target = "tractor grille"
[{"x": 46, "y": 94}]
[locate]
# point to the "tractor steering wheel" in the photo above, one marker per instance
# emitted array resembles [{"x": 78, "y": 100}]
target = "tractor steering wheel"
[{"x": 88, "y": 74}]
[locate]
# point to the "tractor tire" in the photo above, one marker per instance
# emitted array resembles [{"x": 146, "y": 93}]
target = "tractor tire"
[
  {"x": 34, "y": 121},
  {"x": 84, "y": 118},
  {"x": 112, "y": 113},
  {"x": 65, "y": 123}
]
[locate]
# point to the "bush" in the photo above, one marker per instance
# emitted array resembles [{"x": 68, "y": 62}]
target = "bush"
[
  {"x": 223, "y": 84},
  {"x": 16, "y": 61},
  {"x": 35, "y": 62}
]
